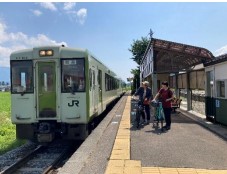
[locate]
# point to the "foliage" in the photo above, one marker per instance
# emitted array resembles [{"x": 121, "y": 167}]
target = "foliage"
[
  {"x": 138, "y": 49},
  {"x": 136, "y": 79},
  {"x": 5, "y": 103},
  {"x": 7, "y": 129}
]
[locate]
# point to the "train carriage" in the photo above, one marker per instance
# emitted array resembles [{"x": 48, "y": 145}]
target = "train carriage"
[{"x": 58, "y": 91}]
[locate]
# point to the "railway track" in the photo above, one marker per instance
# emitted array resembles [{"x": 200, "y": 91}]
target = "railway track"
[{"x": 42, "y": 160}]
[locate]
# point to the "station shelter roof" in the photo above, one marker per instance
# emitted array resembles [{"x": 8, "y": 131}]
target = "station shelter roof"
[{"x": 172, "y": 57}]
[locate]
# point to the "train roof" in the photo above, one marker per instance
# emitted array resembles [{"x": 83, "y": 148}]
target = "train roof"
[
  {"x": 33, "y": 52},
  {"x": 30, "y": 50}
]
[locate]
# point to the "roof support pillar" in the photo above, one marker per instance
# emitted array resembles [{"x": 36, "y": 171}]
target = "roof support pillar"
[
  {"x": 177, "y": 91},
  {"x": 189, "y": 92},
  {"x": 154, "y": 84}
]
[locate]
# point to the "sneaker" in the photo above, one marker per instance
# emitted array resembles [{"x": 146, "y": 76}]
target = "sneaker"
[
  {"x": 148, "y": 121},
  {"x": 167, "y": 128}
]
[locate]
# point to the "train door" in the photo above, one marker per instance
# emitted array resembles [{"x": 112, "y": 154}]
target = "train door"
[
  {"x": 94, "y": 91},
  {"x": 100, "y": 89},
  {"x": 46, "y": 89}
]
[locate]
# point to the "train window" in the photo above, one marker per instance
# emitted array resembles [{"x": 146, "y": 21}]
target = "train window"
[
  {"x": 111, "y": 83},
  {"x": 94, "y": 79},
  {"x": 100, "y": 78},
  {"x": 106, "y": 84},
  {"x": 90, "y": 78},
  {"x": 48, "y": 80},
  {"x": 21, "y": 77},
  {"x": 73, "y": 75},
  {"x": 220, "y": 88}
]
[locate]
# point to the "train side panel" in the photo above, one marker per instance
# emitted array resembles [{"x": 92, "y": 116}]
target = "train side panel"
[
  {"x": 74, "y": 97},
  {"x": 73, "y": 104},
  {"x": 24, "y": 111}
]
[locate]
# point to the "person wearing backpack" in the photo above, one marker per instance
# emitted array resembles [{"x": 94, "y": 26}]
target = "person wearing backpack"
[{"x": 165, "y": 95}]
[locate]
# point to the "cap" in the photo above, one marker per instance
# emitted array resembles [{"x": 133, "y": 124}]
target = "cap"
[{"x": 145, "y": 82}]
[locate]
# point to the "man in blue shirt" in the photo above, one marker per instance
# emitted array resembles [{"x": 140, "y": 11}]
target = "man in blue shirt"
[{"x": 144, "y": 93}]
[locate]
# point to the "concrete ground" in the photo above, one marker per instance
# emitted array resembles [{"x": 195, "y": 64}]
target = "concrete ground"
[{"x": 192, "y": 146}]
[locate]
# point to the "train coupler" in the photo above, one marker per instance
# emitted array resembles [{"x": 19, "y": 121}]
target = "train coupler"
[{"x": 45, "y": 138}]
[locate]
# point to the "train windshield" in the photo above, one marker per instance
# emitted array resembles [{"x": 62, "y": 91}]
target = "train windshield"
[
  {"x": 73, "y": 75},
  {"x": 22, "y": 75}
]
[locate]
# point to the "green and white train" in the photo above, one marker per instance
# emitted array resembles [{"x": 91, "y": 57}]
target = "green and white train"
[{"x": 56, "y": 90}]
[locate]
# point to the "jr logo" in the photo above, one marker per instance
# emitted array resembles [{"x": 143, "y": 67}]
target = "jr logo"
[{"x": 74, "y": 102}]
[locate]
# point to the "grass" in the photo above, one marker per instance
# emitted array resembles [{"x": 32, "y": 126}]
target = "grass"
[{"x": 8, "y": 139}]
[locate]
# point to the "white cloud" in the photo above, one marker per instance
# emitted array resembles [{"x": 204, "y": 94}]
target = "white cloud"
[
  {"x": 220, "y": 51},
  {"x": 68, "y": 8},
  {"x": 3, "y": 37},
  {"x": 5, "y": 53},
  {"x": 2, "y": 27},
  {"x": 41, "y": 40},
  {"x": 4, "y": 56},
  {"x": 82, "y": 15},
  {"x": 37, "y": 12},
  {"x": 48, "y": 5},
  {"x": 16, "y": 37},
  {"x": 69, "y": 5},
  {"x": 10, "y": 42}
]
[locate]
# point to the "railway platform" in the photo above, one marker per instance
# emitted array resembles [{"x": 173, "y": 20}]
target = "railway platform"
[{"x": 116, "y": 146}]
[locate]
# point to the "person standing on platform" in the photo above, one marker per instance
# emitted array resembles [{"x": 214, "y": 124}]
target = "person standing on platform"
[
  {"x": 144, "y": 93},
  {"x": 165, "y": 95}
]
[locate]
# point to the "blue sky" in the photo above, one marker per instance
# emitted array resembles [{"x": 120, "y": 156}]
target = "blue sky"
[{"x": 108, "y": 29}]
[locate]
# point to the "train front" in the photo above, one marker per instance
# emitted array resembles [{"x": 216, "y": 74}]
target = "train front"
[{"x": 48, "y": 93}]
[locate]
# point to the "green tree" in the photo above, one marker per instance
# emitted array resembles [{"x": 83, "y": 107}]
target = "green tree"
[
  {"x": 138, "y": 48},
  {"x": 136, "y": 79}
]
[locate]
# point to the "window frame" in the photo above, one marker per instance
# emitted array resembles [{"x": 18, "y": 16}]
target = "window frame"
[
  {"x": 62, "y": 78},
  {"x": 31, "y": 80},
  {"x": 218, "y": 88}
]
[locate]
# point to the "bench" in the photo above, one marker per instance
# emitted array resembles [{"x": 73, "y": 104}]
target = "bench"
[{"x": 175, "y": 103}]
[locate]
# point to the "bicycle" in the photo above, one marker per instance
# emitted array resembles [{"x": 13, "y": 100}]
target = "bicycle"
[
  {"x": 137, "y": 110},
  {"x": 158, "y": 114}
]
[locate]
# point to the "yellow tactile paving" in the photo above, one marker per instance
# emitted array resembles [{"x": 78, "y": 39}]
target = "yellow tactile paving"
[
  {"x": 124, "y": 166},
  {"x": 161, "y": 170},
  {"x": 120, "y": 162}
]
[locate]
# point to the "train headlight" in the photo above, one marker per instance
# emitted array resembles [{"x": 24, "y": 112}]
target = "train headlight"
[
  {"x": 43, "y": 53},
  {"x": 49, "y": 53}
]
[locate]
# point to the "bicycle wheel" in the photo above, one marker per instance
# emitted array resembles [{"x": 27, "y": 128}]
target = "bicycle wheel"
[{"x": 137, "y": 119}]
